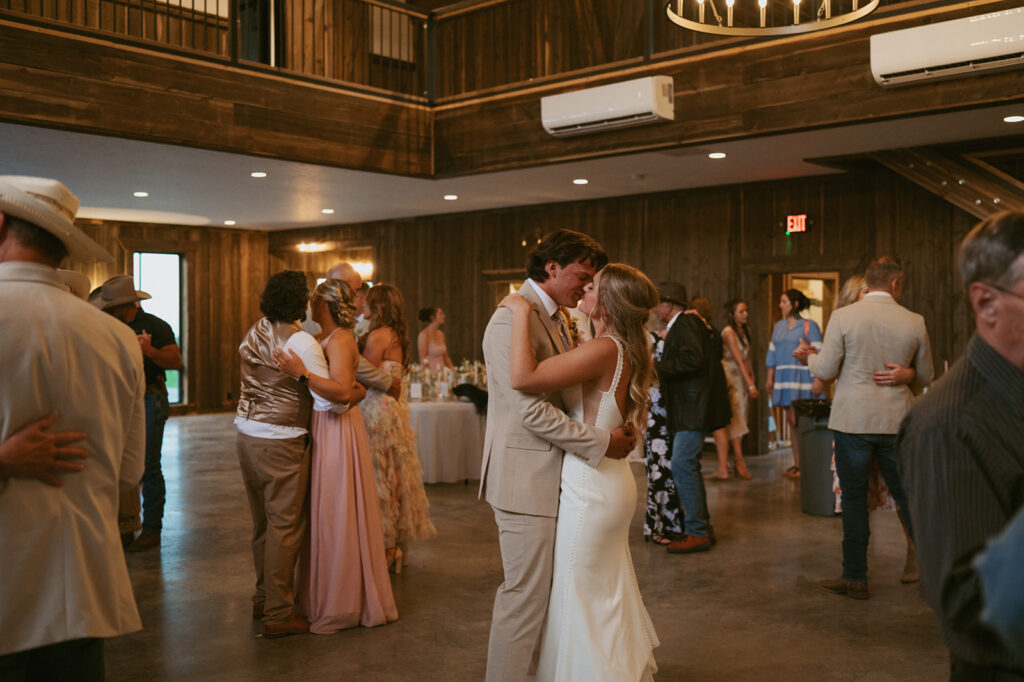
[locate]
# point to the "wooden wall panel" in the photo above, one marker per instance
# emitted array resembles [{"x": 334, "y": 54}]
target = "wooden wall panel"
[
  {"x": 225, "y": 272},
  {"x": 796, "y": 83},
  {"x": 722, "y": 243},
  {"x": 106, "y": 88}
]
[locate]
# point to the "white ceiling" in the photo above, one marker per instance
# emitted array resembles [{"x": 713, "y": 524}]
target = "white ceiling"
[{"x": 195, "y": 187}]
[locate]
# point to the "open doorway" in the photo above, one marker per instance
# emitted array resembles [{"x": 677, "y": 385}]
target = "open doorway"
[{"x": 822, "y": 288}]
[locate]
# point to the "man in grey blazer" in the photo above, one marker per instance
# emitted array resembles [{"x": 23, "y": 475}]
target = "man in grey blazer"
[
  {"x": 525, "y": 439},
  {"x": 871, "y": 336}
]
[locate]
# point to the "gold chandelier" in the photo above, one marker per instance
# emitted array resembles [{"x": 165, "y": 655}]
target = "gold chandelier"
[{"x": 755, "y": 18}]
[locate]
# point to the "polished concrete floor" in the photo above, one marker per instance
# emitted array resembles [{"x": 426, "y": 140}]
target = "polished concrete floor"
[{"x": 749, "y": 609}]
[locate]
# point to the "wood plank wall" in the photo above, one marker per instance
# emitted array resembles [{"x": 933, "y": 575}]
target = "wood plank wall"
[
  {"x": 225, "y": 272},
  {"x": 139, "y": 94},
  {"x": 798, "y": 83},
  {"x": 721, "y": 243}
]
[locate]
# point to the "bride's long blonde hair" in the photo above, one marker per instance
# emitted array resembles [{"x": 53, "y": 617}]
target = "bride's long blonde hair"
[{"x": 625, "y": 297}]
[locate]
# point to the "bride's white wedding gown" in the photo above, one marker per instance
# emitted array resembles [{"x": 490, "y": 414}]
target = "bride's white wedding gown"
[{"x": 596, "y": 629}]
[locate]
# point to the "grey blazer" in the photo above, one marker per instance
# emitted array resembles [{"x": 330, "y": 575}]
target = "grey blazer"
[
  {"x": 527, "y": 434},
  {"x": 859, "y": 340}
]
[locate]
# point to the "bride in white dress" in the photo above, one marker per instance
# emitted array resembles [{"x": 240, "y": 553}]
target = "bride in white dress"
[{"x": 597, "y": 628}]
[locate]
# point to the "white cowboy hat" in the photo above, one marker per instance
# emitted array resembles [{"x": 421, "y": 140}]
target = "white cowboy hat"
[
  {"x": 76, "y": 282},
  {"x": 50, "y": 205}
]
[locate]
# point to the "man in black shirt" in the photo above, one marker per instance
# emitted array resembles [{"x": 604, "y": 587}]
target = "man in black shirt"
[
  {"x": 962, "y": 448},
  {"x": 160, "y": 352}
]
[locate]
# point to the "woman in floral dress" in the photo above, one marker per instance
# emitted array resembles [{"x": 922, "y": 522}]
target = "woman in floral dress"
[
  {"x": 663, "y": 521},
  {"x": 405, "y": 510}
]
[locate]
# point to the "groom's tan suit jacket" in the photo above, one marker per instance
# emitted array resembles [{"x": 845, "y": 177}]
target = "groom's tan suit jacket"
[{"x": 527, "y": 434}]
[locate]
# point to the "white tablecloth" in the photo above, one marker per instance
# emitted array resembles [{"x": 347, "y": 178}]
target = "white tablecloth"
[{"x": 449, "y": 440}]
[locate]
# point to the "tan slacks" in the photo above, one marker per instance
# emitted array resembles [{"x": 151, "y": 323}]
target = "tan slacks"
[
  {"x": 527, "y": 555},
  {"x": 276, "y": 476}
]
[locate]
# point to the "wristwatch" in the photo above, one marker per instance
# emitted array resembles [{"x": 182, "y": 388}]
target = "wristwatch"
[{"x": 304, "y": 379}]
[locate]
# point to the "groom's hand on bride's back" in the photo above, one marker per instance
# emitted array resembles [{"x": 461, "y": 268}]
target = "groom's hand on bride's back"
[{"x": 620, "y": 443}]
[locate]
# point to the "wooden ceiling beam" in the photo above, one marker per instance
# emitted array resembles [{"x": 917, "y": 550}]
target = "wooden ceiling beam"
[{"x": 968, "y": 183}]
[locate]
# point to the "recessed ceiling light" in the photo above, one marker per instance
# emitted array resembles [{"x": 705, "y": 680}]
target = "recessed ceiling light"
[
  {"x": 140, "y": 194},
  {"x": 716, "y": 155},
  {"x": 229, "y": 222},
  {"x": 451, "y": 197},
  {"x": 580, "y": 181},
  {"x": 1014, "y": 119},
  {"x": 327, "y": 211},
  {"x": 258, "y": 174}
]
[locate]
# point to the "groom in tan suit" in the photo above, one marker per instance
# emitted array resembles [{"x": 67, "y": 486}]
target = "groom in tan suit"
[
  {"x": 869, "y": 337},
  {"x": 526, "y": 436}
]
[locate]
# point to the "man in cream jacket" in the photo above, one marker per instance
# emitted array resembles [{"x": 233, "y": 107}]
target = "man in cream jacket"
[
  {"x": 874, "y": 336},
  {"x": 65, "y": 584},
  {"x": 523, "y": 446}
]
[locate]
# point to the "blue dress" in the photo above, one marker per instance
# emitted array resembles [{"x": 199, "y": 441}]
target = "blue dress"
[{"x": 792, "y": 380}]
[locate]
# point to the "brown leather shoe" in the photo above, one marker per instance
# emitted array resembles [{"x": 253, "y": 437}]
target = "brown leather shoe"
[
  {"x": 840, "y": 586},
  {"x": 689, "y": 544},
  {"x": 145, "y": 541},
  {"x": 295, "y": 625}
]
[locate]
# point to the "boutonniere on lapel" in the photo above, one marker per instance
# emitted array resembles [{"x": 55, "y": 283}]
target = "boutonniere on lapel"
[{"x": 570, "y": 326}]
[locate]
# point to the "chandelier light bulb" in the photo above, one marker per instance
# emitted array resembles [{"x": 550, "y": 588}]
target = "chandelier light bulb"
[{"x": 819, "y": 15}]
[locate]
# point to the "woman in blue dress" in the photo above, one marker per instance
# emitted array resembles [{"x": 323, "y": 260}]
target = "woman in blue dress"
[{"x": 788, "y": 380}]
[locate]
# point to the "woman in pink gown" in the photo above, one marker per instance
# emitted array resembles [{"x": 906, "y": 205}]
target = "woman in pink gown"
[{"x": 343, "y": 581}]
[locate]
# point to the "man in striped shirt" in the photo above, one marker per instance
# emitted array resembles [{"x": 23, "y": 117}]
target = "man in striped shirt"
[{"x": 962, "y": 448}]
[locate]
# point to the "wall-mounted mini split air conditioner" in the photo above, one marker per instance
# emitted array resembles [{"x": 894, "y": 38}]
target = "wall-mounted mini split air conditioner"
[
  {"x": 949, "y": 48},
  {"x": 620, "y": 105}
]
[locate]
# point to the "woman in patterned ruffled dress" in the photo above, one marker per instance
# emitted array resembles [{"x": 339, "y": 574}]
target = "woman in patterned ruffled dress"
[{"x": 405, "y": 510}]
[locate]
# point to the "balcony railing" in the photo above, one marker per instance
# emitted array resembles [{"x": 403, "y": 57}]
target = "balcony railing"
[{"x": 474, "y": 48}]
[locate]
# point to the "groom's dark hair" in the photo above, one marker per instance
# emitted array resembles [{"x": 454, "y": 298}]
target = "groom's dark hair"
[{"x": 564, "y": 247}]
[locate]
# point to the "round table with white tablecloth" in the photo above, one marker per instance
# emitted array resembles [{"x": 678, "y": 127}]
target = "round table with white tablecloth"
[{"x": 449, "y": 440}]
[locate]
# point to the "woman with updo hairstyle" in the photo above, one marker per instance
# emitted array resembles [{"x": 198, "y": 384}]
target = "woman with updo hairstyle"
[
  {"x": 343, "y": 579},
  {"x": 596, "y": 621},
  {"x": 405, "y": 511},
  {"x": 788, "y": 380},
  {"x": 433, "y": 351}
]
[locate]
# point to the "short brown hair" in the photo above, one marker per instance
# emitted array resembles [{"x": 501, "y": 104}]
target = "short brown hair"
[
  {"x": 882, "y": 271},
  {"x": 990, "y": 250},
  {"x": 564, "y": 247},
  {"x": 31, "y": 236}
]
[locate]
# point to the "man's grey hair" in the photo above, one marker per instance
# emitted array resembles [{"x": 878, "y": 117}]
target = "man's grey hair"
[
  {"x": 33, "y": 237},
  {"x": 991, "y": 251}
]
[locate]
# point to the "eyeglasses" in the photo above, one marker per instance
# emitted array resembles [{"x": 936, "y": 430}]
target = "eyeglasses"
[{"x": 1005, "y": 291}]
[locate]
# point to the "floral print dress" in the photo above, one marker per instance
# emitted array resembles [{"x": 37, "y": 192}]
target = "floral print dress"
[{"x": 664, "y": 515}]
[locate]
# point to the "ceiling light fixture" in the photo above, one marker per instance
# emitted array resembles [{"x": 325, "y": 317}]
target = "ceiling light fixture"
[
  {"x": 140, "y": 195},
  {"x": 451, "y": 197},
  {"x": 1013, "y": 119},
  {"x": 580, "y": 181},
  {"x": 258, "y": 174},
  {"x": 755, "y": 18},
  {"x": 327, "y": 211},
  {"x": 313, "y": 247},
  {"x": 716, "y": 155},
  {"x": 229, "y": 222}
]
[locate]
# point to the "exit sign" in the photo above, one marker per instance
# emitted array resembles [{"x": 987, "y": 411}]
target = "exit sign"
[{"x": 796, "y": 223}]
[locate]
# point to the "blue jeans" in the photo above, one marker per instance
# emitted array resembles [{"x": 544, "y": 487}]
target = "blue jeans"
[
  {"x": 153, "y": 488},
  {"x": 686, "y": 446},
  {"x": 853, "y": 465}
]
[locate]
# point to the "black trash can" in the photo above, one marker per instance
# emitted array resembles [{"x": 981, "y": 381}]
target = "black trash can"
[{"x": 816, "y": 496}]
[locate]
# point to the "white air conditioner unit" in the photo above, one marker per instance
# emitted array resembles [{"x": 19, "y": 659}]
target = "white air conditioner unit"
[
  {"x": 619, "y": 105},
  {"x": 949, "y": 48}
]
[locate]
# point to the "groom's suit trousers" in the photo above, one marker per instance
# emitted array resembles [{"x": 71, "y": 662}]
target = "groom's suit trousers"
[{"x": 527, "y": 554}]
